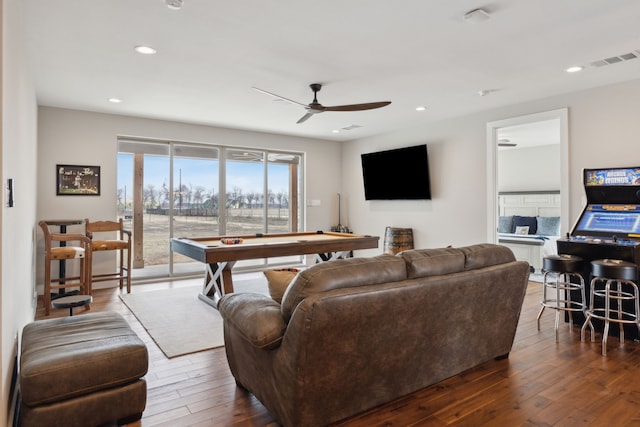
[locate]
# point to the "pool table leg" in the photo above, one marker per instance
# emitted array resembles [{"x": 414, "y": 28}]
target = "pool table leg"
[
  {"x": 217, "y": 282},
  {"x": 331, "y": 256}
]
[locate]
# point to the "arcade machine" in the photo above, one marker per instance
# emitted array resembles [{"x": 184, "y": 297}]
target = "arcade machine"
[{"x": 609, "y": 226}]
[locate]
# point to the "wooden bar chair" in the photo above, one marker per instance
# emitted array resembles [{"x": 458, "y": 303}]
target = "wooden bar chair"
[
  {"x": 63, "y": 252},
  {"x": 102, "y": 235}
]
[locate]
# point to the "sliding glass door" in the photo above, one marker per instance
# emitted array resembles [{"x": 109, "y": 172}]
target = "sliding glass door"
[{"x": 175, "y": 189}]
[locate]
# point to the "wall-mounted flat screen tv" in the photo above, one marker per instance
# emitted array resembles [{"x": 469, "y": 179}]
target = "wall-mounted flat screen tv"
[{"x": 400, "y": 174}]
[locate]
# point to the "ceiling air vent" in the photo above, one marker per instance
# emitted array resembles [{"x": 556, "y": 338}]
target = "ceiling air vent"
[
  {"x": 616, "y": 59},
  {"x": 351, "y": 127}
]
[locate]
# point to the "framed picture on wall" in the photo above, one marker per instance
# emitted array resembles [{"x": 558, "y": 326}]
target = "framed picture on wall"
[{"x": 75, "y": 180}]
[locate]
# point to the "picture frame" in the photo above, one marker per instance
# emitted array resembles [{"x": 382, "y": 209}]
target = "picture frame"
[{"x": 77, "y": 180}]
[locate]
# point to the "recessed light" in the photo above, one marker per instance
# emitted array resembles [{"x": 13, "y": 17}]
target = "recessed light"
[
  {"x": 174, "y": 4},
  {"x": 421, "y": 108},
  {"x": 115, "y": 100},
  {"x": 574, "y": 69},
  {"x": 145, "y": 50},
  {"x": 486, "y": 92},
  {"x": 336, "y": 131}
]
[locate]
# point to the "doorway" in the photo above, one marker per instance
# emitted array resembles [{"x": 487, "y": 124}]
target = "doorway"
[{"x": 499, "y": 130}]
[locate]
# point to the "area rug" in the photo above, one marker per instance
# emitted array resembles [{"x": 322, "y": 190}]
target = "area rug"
[{"x": 179, "y": 322}]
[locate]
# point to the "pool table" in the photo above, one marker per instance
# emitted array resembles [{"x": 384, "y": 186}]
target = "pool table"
[{"x": 219, "y": 257}]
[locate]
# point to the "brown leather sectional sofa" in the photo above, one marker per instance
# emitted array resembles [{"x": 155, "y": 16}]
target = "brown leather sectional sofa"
[{"x": 353, "y": 334}]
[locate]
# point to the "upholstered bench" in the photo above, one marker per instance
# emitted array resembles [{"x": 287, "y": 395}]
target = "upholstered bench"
[{"x": 82, "y": 371}]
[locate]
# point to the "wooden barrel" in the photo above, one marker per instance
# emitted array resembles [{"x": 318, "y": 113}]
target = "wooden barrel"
[{"x": 397, "y": 240}]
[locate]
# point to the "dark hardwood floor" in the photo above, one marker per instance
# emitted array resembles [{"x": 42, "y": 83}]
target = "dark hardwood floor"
[{"x": 542, "y": 383}]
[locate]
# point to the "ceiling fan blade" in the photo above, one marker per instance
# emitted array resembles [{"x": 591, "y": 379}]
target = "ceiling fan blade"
[
  {"x": 305, "y": 117},
  {"x": 279, "y": 97},
  {"x": 315, "y": 107},
  {"x": 358, "y": 107}
]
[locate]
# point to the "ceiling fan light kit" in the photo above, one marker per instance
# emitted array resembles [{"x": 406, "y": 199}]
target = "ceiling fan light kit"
[{"x": 315, "y": 107}]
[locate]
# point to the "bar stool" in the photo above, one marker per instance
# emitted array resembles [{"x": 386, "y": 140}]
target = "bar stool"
[
  {"x": 558, "y": 272},
  {"x": 618, "y": 278},
  {"x": 111, "y": 236},
  {"x": 81, "y": 252},
  {"x": 71, "y": 301}
]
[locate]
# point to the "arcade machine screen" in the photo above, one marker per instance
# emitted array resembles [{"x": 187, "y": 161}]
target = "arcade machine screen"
[{"x": 609, "y": 221}]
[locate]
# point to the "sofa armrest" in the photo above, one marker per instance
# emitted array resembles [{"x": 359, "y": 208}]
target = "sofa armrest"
[{"x": 255, "y": 317}]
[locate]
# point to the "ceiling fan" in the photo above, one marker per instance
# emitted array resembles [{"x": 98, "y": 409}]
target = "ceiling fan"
[{"x": 315, "y": 107}]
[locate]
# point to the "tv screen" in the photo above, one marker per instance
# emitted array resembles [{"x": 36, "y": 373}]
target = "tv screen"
[{"x": 400, "y": 174}]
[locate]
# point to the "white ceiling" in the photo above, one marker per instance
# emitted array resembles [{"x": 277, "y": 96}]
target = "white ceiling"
[
  {"x": 528, "y": 135},
  {"x": 414, "y": 52}
]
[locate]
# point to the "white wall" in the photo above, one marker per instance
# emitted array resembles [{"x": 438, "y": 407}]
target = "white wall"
[
  {"x": 19, "y": 116},
  {"x": 603, "y": 132},
  {"x": 529, "y": 168},
  {"x": 88, "y": 138},
  {"x": 456, "y": 164}
]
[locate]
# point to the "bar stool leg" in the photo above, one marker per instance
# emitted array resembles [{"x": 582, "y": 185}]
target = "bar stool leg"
[
  {"x": 587, "y": 320},
  {"x": 607, "y": 315},
  {"x": 559, "y": 278},
  {"x": 544, "y": 297},
  {"x": 637, "y": 303},
  {"x": 618, "y": 288}
]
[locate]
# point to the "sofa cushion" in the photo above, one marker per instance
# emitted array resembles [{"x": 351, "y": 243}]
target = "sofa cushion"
[
  {"x": 278, "y": 280},
  {"x": 433, "y": 262},
  {"x": 486, "y": 255},
  {"x": 342, "y": 273}
]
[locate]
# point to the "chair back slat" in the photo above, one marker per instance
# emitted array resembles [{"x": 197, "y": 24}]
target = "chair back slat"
[{"x": 99, "y": 226}]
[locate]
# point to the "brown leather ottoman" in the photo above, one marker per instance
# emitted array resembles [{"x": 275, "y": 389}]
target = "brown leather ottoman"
[{"x": 82, "y": 371}]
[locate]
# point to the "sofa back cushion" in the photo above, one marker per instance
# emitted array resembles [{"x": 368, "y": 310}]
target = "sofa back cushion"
[
  {"x": 433, "y": 262},
  {"x": 343, "y": 273},
  {"x": 486, "y": 255}
]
